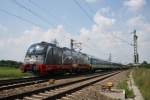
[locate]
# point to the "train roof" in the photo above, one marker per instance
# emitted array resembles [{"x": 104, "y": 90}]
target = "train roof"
[
  {"x": 46, "y": 43},
  {"x": 66, "y": 48}
]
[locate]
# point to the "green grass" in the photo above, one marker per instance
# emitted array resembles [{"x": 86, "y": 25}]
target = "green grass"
[
  {"x": 11, "y": 72},
  {"x": 145, "y": 66},
  {"x": 123, "y": 85},
  {"x": 142, "y": 79}
]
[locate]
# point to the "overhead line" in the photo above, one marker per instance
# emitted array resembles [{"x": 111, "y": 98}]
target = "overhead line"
[
  {"x": 45, "y": 10},
  {"x": 32, "y": 12},
  {"x": 36, "y": 5},
  {"x": 94, "y": 22},
  {"x": 90, "y": 8},
  {"x": 86, "y": 13},
  {"x": 122, "y": 40},
  {"x": 19, "y": 17}
]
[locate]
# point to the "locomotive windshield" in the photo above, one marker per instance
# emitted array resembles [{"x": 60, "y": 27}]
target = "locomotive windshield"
[
  {"x": 36, "y": 49},
  {"x": 35, "y": 54}
]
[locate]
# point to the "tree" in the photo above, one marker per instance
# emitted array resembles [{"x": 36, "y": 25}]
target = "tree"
[{"x": 144, "y": 63}]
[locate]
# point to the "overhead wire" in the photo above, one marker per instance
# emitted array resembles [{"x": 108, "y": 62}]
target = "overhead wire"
[
  {"x": 90, "y": 8},
  {"x": 87, "y": 14},
  {"x": 122, "y": 40},
  {"x": 19, "y": 17},
  {"x": 32, "y": 12},
  {"x": 36, "y": 5},
  {"x": 51, "y": 14},
  {"x": 84, "y": 11}
]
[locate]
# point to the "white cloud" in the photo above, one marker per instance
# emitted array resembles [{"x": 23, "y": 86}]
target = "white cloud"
[
  {"x": 99, "y": 42},
  {"x": 102, "y": 21},
  {"x": 96, "y": 40},
  {"x": 139, "y": 22},
  {"x": 134, "y": 5},
  {"x": 143, "y": 30},
  {"x": 15, "y": 47},
  {"x": 93, "y": 39}
]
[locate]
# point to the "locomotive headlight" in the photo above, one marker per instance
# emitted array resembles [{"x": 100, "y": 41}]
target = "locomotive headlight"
[{"x": 34, "y": 59}]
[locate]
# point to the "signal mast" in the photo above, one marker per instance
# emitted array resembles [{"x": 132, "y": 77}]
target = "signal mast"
[{"x": 136, "y": 55}]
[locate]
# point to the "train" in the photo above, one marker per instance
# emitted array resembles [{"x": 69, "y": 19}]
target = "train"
[{"x": 45, "y": 58}]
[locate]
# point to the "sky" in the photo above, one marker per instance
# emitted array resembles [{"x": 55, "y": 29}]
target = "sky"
[{"x": 102, "y": 26}]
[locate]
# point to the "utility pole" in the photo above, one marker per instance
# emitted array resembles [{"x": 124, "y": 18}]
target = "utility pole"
[
  {"x": 55, "y": 42},
  {"x": 71, "y": 45},
  {"x": 74, "y": 44},
  {"x": 136, "y": 56},
  {"x": 109, "y": 59}
]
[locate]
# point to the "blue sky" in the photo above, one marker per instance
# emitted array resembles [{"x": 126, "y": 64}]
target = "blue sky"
[{"x": 65, "y": 20}]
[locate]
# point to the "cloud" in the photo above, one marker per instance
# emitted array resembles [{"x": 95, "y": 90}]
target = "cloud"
[
  {"x": 102, "y": 22},
  {"x": 93, "y": 39},
  {"x": 15, "y": 47},
  {"x": 99, "y": 42},
  {"x": 96, "y": 40},
  {"x": 143, "y": 29},
  {"x": 139, "y": 22},
  {"x": 134, "y": 5}
]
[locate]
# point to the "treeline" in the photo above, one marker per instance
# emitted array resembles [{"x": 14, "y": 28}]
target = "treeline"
[
  {"x": 9, "y": 63},
  {"x": 145, "y": 64}
]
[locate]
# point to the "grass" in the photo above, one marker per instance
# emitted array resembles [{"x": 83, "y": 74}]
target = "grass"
[
  {"x": 142, "y": 79},
  {"x": 11, "y": 72},
  {"x": 123, "y": 85}
]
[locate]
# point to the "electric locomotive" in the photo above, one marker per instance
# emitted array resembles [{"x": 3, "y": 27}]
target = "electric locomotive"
[{"x": 44, "y": 58}]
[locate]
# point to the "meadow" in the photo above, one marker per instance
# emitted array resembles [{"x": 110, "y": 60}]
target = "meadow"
[
  {"x": 11, "y": 72},
  {"x": 142, "y": 79}
]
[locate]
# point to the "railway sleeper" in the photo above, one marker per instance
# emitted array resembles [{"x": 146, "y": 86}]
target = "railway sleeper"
[{"x": 54, "y": 94}]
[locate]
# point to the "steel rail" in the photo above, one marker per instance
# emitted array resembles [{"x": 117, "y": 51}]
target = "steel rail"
[{"x": 50, "y": 87}]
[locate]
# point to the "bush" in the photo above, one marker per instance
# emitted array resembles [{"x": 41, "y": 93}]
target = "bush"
[
  {"x": 145, "y": 65},
  {"x": 7, "y": 63}
]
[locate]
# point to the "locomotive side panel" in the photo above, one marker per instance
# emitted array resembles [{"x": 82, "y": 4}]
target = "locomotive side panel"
[
  {"x": 49, "y": 56},
  {"x": 66, "y": 57},
  {"x": 57, "y": 55}
]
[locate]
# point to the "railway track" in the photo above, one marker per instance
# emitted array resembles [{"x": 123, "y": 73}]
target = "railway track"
[
  {"x": 58, "y": 90},
  {"x": 7, "y": 82},
  {"x": 15, "y": 81},
  {"x": 25, "y": 83}
]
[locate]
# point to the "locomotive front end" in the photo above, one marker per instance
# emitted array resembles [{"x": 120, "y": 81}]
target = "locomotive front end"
[{"x": 34, "y": 59}]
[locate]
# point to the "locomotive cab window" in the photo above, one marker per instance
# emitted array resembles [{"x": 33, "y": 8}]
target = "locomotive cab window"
[{"x": 36, "y": 49}]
